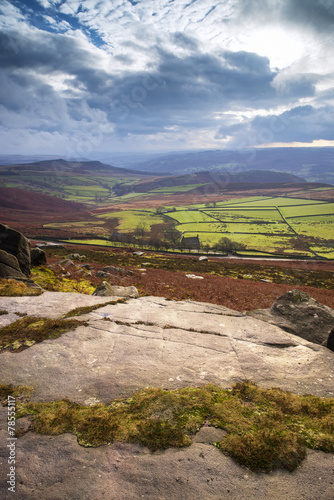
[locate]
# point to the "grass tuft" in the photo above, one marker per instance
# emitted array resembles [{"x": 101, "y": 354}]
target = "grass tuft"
[
  {"x": 29, "y": 330},
  {"x": 266, "y": 429}
]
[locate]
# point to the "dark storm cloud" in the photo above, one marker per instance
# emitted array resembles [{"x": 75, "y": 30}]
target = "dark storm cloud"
[
  {"x": 185, "y": 91},
  {"x": 188, "y": 90},
  {"x": 47, "y": 52},
  {"x": 300, "y": 124},
  {"x": 204, "y": 78},
  {"x": 315, "y": 14}
]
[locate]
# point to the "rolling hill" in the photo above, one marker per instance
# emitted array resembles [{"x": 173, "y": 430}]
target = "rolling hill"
[{"x": 314, "y": 164}]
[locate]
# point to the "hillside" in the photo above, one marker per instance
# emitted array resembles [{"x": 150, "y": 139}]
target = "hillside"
[
  {"x": 19, "y": 199},
  {"x": 78, "y": 181}
]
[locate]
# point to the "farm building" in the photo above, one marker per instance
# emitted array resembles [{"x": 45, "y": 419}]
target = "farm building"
[{"x": 191, "y": 242}]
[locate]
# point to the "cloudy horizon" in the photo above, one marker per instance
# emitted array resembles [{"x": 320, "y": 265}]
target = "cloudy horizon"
[{"x": 142, "y": 75}]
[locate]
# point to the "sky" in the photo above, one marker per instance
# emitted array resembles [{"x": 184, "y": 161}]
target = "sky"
[{"x": 162, "y": 75}]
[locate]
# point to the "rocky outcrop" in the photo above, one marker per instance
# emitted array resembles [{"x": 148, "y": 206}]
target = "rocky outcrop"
[
  {"x": 298, "y": 313},
  {"x": 155, "y": 342},
  {"x": 38, "y": 257},
  {"x": 9, "y": 267},
  {"x": 107, "y": 290},
  {"x": 152, "y": 341},
  {"x": 15, "y": 244}
]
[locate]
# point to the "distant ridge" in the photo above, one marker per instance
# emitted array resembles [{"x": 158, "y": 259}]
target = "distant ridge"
[
  {"x": 60, "y": 164},
  {"x": 220, "y": 179}
]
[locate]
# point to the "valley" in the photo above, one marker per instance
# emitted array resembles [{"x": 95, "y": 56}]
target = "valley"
[{"x": 253, "y": 213}]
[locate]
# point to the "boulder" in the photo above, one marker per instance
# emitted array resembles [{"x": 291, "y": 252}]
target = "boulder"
[
  {"x": 106, "y": 290},
  {"x": 14, "y": 243},
  {"x": 102, "y": 274},
  {"x": 9, "y": 267},
  {"x": 85, "y": 266},
  {"x": 76, "y": 256},
  {"x": 66, "y": 263},
  {"x": 298, "y": 313},
  {"x": 38, "y": 257}
]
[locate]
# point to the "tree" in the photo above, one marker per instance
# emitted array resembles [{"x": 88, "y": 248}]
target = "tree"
[
  {"x": 155, "y": 242},
  {"x": 172, "y": 235},
  {"x": 140, "y": 229},
  {"x": 229, "y": 246}
]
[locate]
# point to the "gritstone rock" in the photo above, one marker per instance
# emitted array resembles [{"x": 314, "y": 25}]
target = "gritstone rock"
[
  {"x": 38, "y": 257},
  {"x": 14, "y": 243},
  {"x": 9, "y": 267},
  {"x": 296, "y": 312},
  {"x": 105, "y": 290}
]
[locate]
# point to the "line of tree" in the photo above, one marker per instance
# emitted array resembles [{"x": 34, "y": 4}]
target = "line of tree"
[{"x": 171, "y": 238}]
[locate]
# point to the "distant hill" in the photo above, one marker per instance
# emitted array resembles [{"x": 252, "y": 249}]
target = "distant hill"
[
  {"x": 313, "y": 164},
  {"x": 219, "y": 179},
  {"x": 20, "y": 199},
  {"x": 83, "y": 182},
  {"x": 59, "y": 165}
]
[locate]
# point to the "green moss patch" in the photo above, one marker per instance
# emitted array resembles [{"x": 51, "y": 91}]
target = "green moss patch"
[
  {"x": 13, "y": 288},
  {"x": 22, "y": 392},
  {"x": 266, "y": 429},
  {"x": 27, "y": 331},
  {"x": 51, "y": 282},
  {"x": 79, "y": 311}
]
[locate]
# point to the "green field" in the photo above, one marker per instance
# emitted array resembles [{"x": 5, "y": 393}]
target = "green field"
[
  {"x": 244, "y": 214},
  {"x": 280, "y": 225},
  {"x": 308, "y": 210},
  {"x": 129, "y": 220}
]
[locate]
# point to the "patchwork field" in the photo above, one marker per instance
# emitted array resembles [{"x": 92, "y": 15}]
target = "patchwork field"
[{"x": 273, "y": 225}]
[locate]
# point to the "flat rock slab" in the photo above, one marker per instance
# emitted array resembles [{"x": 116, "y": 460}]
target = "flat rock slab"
[
  {"x": 57, "y": 468},
  {"x": 49, "y": 304},
  {"x": 151, "y": 341}
]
